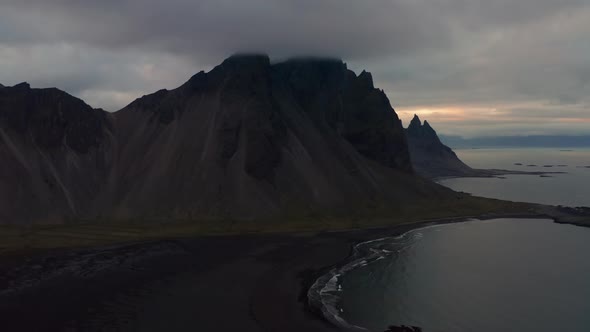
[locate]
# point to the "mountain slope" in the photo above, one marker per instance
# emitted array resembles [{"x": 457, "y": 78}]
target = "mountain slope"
[
  {"x": 255, "y": 140},
  {"x": 55, "y": 151},
  {"x": 430, "y": 157},
  {"x": 247, "y": 140}
]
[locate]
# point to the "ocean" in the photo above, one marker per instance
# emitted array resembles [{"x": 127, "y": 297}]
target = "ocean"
[
  {"x": 570, "y": 189},
  {"x": 488, "y": 276}
]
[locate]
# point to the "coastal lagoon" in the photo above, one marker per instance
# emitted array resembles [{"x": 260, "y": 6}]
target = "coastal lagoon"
[{"x": 488, "y": 276}]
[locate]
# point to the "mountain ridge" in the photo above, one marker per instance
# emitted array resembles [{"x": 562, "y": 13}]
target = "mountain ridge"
[
  {"x": 430, "y": 157},
  {"x": 55, "y": 151},
  {"x": 246, "y": 140}
]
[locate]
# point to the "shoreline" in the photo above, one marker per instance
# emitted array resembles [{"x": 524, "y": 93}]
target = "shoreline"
[
  {"x": 402, "y": 229},
  {"x": 265, "y": 279},
  {"x": 492, "y": 173},
  {"x": 325, "y": 282}
]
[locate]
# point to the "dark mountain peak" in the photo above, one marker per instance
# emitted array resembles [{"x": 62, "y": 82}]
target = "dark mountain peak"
[
  {"x": 22, "y": 86},
  {"x": 424, "y": 130},
  {"x": 337, "y": 99},
  {"x": 248, "y": 139},
  {"x": 246, "y": 60},
  {"x": 51, "y": 117},
  {"x": 366, "y": 79},
  {"x": 313, "y": 70},
  {"x": 1, "y": 86},
  {"x": 416, "y": 123},
  {"x": 419, "y": 129},
  {"x": 239, "y": 76},
  {"x": 315, "y": 61},
  {"x": 430, "y": 157},
  {"x": 330, "y": 94}
]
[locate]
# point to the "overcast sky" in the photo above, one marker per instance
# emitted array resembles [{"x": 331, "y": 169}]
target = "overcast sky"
[{"x": 471, "y": 67}]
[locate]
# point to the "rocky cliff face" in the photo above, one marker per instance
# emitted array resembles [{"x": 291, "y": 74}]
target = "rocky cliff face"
[
  {"x": 430, "y": 157},
  {"x": 56, "y": 152},
  {"x": 247, "y": 140},
  {"x": 338, "y": 100},
  {"x": 250, "y": 139}
]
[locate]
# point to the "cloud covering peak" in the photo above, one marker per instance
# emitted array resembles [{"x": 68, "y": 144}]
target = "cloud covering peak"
[{"x": 453, "y": 61}]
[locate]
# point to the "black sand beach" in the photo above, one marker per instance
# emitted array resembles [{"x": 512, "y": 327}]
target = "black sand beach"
[
  {"x": 245, "y": 283},
  {"x": 223, "y": 283}
]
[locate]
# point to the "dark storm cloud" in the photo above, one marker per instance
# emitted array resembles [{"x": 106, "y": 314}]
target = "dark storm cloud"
[
  {"x": 347, "y": 28},
  {"x": 437, "y": 55}
]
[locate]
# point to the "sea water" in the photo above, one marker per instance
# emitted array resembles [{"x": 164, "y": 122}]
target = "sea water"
[
  {"x": 528, "y": 275},
  {"x": 572, "y": 188}
]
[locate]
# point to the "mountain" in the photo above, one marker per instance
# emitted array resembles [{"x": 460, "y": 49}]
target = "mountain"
[
  {"x": 537, "y": 141},
  {"x": 430, "y": 157},
  {"x": 56, "y": 152},
  {"x": 247, "y": 140},
  {"x": 254, "y": 140}
]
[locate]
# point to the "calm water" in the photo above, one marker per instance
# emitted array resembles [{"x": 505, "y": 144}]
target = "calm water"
[
  {"x": 500, "y": 275},
  {"x": 570, "y": 189},
  {"x": 490, "y": 276}
]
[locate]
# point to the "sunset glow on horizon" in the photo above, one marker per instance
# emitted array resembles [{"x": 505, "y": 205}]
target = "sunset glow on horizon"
[
  {"x": 498, "y": 67},
  {"x": 471, "y": 121}
]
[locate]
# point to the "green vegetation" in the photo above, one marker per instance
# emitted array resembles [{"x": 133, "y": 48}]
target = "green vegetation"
[{"x": 103, "y": 232}]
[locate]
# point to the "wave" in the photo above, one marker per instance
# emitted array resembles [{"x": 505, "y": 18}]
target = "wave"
[{"x": 325, "y": 294}]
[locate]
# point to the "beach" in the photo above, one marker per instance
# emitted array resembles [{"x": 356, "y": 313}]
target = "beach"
[
  {"x": 208, "y": 283},
  {"x": 217, "y": 283}
]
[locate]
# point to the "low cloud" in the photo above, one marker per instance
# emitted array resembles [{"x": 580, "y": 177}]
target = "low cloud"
[{"x": 456, "y": 59}]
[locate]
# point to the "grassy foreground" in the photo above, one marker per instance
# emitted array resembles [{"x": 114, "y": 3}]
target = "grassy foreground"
[{"x": 87, "y": 234}]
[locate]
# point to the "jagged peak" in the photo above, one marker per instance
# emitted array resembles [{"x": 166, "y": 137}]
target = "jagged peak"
[
  {"x": 417, "y": 128},
  {"x": 416, "y": 123},
  {"x": 367, "y": 78}
]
